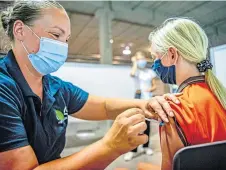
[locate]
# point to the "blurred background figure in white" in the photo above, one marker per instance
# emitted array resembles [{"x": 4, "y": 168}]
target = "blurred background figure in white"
[{"x": 145, "y": 84}]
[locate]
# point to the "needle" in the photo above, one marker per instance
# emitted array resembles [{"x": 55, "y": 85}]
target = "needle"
[{"x": 151, "y": 120}]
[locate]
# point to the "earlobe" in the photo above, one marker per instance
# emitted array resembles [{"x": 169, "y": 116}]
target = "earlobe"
[{"x": 18, "y": 30}]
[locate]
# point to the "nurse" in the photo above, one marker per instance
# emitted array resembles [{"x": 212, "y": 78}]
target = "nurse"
[{"x": 34, "y": 106}]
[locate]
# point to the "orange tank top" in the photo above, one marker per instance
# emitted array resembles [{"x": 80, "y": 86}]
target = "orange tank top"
[
  {"x": 200, "y": 114},
  {"x": 199, "y": 118}
]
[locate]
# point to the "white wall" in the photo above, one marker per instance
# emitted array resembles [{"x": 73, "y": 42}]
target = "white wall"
[
  {"x": 101, "y": 80},
  {"x": 218, "y": 58}
]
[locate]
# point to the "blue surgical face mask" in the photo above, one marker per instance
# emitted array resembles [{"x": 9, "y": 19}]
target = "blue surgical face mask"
[
  {"x": 166, "y": 74},
  {"x": 51, "y": 55},
  {"x": 141, "y": 63}
]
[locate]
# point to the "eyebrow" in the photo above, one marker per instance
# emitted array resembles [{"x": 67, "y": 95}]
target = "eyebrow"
[{"x": 59, "y": 29}]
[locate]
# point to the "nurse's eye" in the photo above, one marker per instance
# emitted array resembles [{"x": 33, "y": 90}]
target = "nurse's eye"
[{"x": 56, "y": 36}]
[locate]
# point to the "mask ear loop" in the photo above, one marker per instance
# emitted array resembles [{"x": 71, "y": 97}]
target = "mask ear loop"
[
  {"x": 33, "y": 32},
  {"x": 167, "y": 67},
  {"x": 23, "y": 42},
  {"x": 24, "y": 47}
]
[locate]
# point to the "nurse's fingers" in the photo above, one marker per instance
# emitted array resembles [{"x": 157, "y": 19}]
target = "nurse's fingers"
[
  {"x": 172, "y": 97},
  {"x": 130, "y": 112},
  {"x": 140, "y": 139},
  {"x": 137, "y": 128},
  {"x": 135, "y": 119},
  {"x": 156, "y": 106}
]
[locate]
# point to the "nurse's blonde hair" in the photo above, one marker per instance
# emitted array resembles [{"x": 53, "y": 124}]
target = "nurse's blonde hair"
[{"x": 192, "y": 43}]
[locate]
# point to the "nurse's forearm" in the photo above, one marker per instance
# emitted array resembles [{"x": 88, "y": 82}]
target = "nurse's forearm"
[
  {"x": 94, "y": 157},
  {"x": 114, "y": 107}
]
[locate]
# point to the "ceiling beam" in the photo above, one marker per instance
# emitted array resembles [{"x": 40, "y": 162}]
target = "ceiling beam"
[
  {"x": 137, "y": 5},
  {"x": 121, "y": 12},
  {"x": 193, "y": 8},
  {"x": 70, "y": 12}
]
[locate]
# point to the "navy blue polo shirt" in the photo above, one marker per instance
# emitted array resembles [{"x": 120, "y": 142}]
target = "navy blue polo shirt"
[{"x": 25, "y": 120}]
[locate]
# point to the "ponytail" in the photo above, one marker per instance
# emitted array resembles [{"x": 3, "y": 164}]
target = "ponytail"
[{"x": 216, "y": 87}]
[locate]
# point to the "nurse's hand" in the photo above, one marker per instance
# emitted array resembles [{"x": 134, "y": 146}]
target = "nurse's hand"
[
  {"x": 126, "y": 132},
  {"x": 160, "y": 108}
]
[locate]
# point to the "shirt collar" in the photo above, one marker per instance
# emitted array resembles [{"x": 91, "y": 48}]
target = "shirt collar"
[
  {"x": 191, "y": 80},
  {"x": 51, "y": 85}
]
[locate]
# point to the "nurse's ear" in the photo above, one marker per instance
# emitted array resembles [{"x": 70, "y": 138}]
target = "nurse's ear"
[
  {"x": 173, "y": 55},
  {"x": 19, "y": 30}
]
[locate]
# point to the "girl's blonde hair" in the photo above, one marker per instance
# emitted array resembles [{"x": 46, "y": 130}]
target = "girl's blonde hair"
[{"x": 192, "y": 43}]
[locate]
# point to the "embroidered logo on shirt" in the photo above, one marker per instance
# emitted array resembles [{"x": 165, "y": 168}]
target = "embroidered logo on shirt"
[{"x": 61, "y": 117}]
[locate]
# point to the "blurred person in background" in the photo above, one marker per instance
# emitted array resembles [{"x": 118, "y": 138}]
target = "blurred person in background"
[
  {"x": 145, "y": 84},
  {"x": 180, "y": 49},
  {"x": 34, "y": 105}
]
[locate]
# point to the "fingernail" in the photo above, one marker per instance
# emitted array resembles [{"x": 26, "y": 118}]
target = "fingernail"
[
  {"x": 177, "y": 101},
  {"x": 171, "y": 114},
  {"x": 166, "y": 120}
]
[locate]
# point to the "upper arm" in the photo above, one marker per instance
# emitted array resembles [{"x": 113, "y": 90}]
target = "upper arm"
[
  {"x": 185, "y": 114},
  {"x": 74, "y": 96},
  {"x": 171, "y": 142},
  {"x": 15, "y": 152},
  {"x": 17, "y": 159},
  {"x": 12, "y": 130},
  {"x": 82, "y": 105}
]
